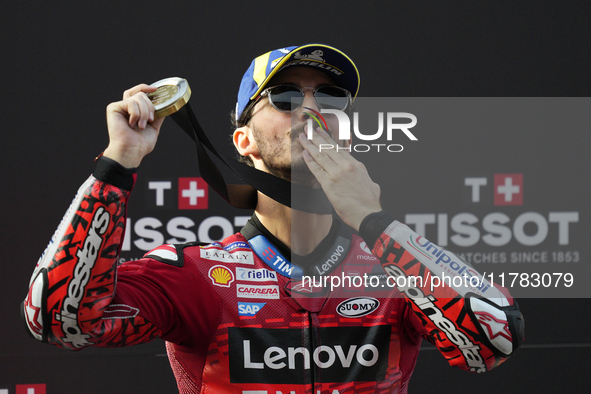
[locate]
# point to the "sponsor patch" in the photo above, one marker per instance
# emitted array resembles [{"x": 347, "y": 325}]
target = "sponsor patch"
[
  {"x": 224, "y": 256},
  {"x": 221, "y": 276},
  {"x": 255, "y": 291},
  {"x": 284, "y": 356},
  {"x": 255, "y": 274},
  {"x": 236, "y": 245},
  {"x": 334, "y": 257},
  {"x": 267, "y": 252},
  {"x": 364, "y": 247},
  {"x": 249, "y": 308},
  {"x": 357, "y": 307}
]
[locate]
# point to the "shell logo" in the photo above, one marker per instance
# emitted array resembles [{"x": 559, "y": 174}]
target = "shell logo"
[{"x": 221, "y": 276}]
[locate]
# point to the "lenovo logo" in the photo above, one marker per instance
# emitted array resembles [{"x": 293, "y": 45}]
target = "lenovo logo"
[{"x": 293, "y": 356}]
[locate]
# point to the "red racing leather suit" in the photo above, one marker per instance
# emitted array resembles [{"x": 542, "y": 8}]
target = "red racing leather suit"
[{"x": 238, "y": 317}]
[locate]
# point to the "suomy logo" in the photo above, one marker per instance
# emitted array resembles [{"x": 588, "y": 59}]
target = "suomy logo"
[
  {"x": 357, "y": 307},
  {"x": 345, "y": 129}
]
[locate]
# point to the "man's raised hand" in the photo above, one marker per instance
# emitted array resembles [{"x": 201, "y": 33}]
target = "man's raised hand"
[
  {"x": 344, "y": 179},
  {"x": 133, "y": 132}
]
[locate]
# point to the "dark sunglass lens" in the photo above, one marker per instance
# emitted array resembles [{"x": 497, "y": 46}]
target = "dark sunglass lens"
[
  {"x": 281, "y": 97},
  {"x": 330, "y": 97}
]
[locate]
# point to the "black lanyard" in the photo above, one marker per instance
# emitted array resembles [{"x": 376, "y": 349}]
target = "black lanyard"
[{"x": 244, "y": 196}]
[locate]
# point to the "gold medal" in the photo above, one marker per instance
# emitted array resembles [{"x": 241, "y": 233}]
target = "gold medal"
[{"x": 172, "y": 94}]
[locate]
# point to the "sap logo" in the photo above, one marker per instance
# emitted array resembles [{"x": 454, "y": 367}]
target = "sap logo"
[
  {"x": 249, "y": 308},
  {"x": 357, "y": 307}
]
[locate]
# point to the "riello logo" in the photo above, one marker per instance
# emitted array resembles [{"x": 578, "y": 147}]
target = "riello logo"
[{"x": 388, "y": 123}]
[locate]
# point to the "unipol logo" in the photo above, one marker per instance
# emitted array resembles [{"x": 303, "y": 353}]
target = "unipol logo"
[{"x": 389, "y": 124}]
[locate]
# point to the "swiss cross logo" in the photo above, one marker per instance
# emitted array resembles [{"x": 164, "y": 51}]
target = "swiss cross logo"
[
  {"x": 30, "y": 389},
  {"x": 508, "y": 189},
  {"x": 193, "y": 193},
  {"x": 269, "y": 254}
]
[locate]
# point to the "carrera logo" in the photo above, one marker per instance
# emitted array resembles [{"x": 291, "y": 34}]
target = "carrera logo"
[
  {"x": 221, "y": 276},
  {"x": 223, "y": 256},
  {"x": 285, "y": 356},
  {"x": 254, "y": 291},
  {"x": 357, "y": 307}
]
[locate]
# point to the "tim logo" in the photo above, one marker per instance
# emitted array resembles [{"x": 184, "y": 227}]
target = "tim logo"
[
  {"x": 193, "y": 193},
  {"x": 387, "y": 122},
  {"x": 508, "y": 189},
  {"x": 269, "y": 254}
]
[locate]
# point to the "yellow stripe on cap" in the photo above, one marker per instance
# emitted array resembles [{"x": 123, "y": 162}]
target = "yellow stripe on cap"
[{"x": 260, "y": 69}]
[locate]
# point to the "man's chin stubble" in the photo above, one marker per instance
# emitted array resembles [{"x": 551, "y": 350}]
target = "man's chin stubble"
[{"x": 298, "y": 173}]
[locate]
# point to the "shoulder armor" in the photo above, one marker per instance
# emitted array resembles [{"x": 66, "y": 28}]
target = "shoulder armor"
[{"x": 170, "y": 253}]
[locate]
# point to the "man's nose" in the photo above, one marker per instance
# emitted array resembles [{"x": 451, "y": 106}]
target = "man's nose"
[{"x": 309, "y": 102}]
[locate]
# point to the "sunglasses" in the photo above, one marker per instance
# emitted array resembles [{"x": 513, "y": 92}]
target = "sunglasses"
[{"x": 288, "y": 97}]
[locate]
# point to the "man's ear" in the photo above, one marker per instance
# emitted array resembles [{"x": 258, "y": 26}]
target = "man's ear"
[{"x": 245, "y": 143}]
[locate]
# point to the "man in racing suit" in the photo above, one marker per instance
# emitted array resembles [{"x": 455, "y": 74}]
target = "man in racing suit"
[{"x": 238, "y": 315}]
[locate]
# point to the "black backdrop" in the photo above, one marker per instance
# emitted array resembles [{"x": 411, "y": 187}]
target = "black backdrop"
[{"x": 62, "y": 64}]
